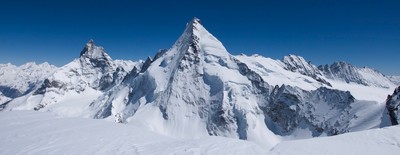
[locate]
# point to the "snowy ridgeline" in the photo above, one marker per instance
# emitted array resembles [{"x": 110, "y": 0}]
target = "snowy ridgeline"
[
  {"x": 16, "y": 81},
  {"x": 28, "y": 132},
  {"x": 197, "y": 89}
]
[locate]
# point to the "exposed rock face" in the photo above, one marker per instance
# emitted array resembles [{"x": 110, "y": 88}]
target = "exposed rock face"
[
  {"x": 392, "y": 106},
  {"x": 322, "y": 110},
  {"x": 343, "y": 71},
  {"x": 298, "y": 64}
]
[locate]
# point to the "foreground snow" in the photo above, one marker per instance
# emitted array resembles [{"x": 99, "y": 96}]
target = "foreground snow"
[
  {"x": 29, "y": 132},
  {"x": 377, "y": 141}
]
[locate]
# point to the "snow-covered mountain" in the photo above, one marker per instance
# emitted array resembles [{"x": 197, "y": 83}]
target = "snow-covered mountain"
[
  {"x": 348, "y": 73},
  {"x": 198, "y": 89},
  {"x": 72, "y": 87},
  {"x": 277, "y": 72},
  {"x": 194, "y": 89},
  {"x": 299, "y": 64},
  {"x": 296, "y": 71},
  {"x": 16, "y": 81}
]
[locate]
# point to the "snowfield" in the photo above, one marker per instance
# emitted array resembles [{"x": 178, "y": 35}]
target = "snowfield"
[
  {"x": 30, "y": 132},
  {"x": 377, "y": 141}
]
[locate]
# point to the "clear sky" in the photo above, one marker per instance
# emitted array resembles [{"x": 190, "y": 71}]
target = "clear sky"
[{"x": 362, "y": 32}]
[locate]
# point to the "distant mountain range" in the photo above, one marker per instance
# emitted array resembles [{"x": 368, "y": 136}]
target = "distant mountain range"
[{"x": 197, "y": 88}]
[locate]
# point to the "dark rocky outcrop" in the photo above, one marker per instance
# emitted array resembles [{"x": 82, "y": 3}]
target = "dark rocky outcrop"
[{"x": 392, "y": 106}]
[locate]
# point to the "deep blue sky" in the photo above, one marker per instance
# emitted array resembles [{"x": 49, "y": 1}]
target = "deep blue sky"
[{"x": 362, "y": 32}]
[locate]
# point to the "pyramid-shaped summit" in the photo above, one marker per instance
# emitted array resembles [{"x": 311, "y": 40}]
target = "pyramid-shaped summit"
[
  {"x": 93, "y": 57},
  {"x": 196, "y": 88},
  {"x": 195, "y": 39},
  {"x": 91, "y": 51},
  {"x": 193, "y": 24}
]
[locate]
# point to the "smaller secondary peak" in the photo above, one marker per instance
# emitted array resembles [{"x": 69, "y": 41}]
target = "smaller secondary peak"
[
  {"x": 342, "y": 63},
  {"x": 92, "y": 51},
  {"x": 291, "y": 58},
  {"x": 90, "y": 43},
  {"x": 294, "y": 56}
]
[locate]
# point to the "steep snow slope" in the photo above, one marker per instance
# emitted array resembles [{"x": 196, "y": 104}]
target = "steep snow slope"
[
  {"x": 16, "y": 81},
  {"x": 70, "y": 89},
  {"x": 28, "y": 132},
  {"x": 371, "y": 142}
]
